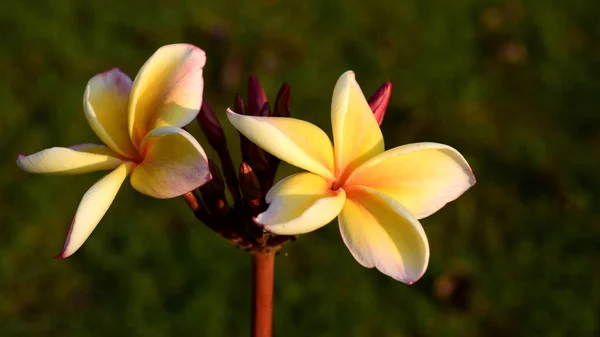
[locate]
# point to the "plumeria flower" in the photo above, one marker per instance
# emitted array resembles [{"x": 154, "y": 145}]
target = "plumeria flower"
[
  {"x": 377, "y": 195},
  {"x": 140, "y": 123}
]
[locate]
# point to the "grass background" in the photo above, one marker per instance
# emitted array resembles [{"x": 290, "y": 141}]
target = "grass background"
[{"x": 514, "y": 86}]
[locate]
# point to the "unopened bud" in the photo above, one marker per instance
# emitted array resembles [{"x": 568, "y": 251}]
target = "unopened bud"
[
  {"x": 379, "y": 101},
  {"x": 265, "y": 111},
  {"x": 251, "y": 153},
  {"x": 213, "y": 192},
  {"x": 282, "y": 102},
  {"x": 256, "y": 96},
  {"x": 249, "y": 185},
  {"x": 210, "y": 126},
  {"x": 257, "y": 157},
  {"x": 239, "y": 106},
  {"x": 217, "y": 178}
]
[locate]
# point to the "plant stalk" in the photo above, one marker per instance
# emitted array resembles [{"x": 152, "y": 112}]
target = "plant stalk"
[{"x": 263, "y": 269}]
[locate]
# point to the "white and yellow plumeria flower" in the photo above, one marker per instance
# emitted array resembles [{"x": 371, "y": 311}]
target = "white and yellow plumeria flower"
[
  {"x": 377, "y": 196},
  {"x": 141, "y": 124}
]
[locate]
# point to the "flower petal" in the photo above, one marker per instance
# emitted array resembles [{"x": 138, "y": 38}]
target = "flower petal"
[
  {"x": 105, "y": 103},
  {"x": 297, "y": 142},
  {"x": 167, "y": 91},
  {"x": 70, "y": 160},
  {"x": 356, "y": 134},
  {"x": 93, "y": 206},
  {"x": 380, "y": 233},
  {"x": 423, "y": 177},
  {"x": 174, "y": 164},
  {"x": 299, "y": 204}
]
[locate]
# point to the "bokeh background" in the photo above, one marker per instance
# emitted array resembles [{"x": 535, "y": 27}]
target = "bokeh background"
[{"x": 514, "y": 86}]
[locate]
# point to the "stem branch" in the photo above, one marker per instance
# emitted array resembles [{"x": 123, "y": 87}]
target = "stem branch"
[{"x": 263, "y": 267}]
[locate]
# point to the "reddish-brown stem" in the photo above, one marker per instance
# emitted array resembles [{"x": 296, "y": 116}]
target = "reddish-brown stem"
[{"x": 263, "y": 269}]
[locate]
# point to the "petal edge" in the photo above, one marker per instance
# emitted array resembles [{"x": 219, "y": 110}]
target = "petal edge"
[
  {"x": 380, "y": 233},
  {"x": 76, "y": 159},
  {"x": 423, "y": 177},
  {"x": 91, "y": 209},
  {"x": 167, "y": 91}
]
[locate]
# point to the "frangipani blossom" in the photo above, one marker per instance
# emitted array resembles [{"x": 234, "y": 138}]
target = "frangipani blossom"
[
  {"x": 140, "y": 123},
  {"x": 377, "y": 196}
]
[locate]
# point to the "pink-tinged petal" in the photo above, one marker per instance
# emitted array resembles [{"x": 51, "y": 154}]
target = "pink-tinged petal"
[
  {"x": 174, "y": 164},
  {"x": 70, "y": 160},
  {"x": 356, "y": 134},
  {"x": 167, "y": 91},
  {"x": 105, "y": 102},
  {"x": 423, "y": 177},
  {"x": 380, "y": 233},
  {"x": 93, "y": 206},
  {"x": 297, "y": 142},
  {"x": 300, "y": 203}
]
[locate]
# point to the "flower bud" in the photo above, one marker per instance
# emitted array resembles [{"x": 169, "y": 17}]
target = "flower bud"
[
  {"x": 239, "y": 106},
  {"x": 256, "y": 96},
  {"x": 257, "y": 157},
  {"x": 282, "y": 102},
  {"x": 379, "y": 101},
  {"x": 265, "y": 111},
  {"x": 210, "y": 126},
  {"x": 213, "y": 192},
  {"x": 249, "y": 185},
  {"x": 251, "y": 153}
]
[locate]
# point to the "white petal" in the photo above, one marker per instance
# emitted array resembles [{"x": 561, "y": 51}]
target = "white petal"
[
  {"x": 167, "y": 91},
  {"x": 297, "y": 142},
  {"x": 356, "y": 133},
  {"x": 93, "y": 206},
  {"x": 423, "y": 177},
  {"x": 174, "y": 164},
  {"x": 105, "y": 103},
  {"x": 300, "y": 203},
  {"x": 76, "y": 159},
  {"x": 380, "y": 233}
]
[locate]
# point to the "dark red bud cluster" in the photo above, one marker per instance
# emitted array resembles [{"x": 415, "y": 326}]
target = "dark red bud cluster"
[{"x": 249, "y": 184}]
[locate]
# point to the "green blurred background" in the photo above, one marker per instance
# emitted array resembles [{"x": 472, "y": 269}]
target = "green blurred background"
[{"x": 514, "y": 86}]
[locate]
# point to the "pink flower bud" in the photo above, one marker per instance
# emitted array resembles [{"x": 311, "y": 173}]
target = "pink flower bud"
[
  {"x": 265, "y": 111},
  {"x": 256, "y": 96},
  {"x": 282, "y": 102},
  {"x": 379, "y": 101},
  {"x": 213, "y": 193},
  {"x": 239, "y": 105},
  {"x": 210, "y": 126},
  {"x": 249, "y": 185}
]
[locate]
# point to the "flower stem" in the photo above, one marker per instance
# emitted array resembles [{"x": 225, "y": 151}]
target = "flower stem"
[{"x": 263, "y": 267}]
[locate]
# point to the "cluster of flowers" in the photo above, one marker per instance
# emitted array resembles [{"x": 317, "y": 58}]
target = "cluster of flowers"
[{"x": 377, "y": 195}]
